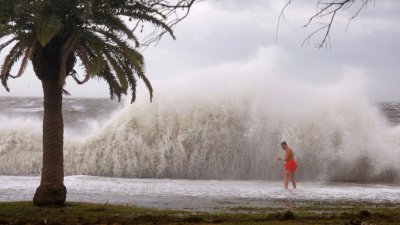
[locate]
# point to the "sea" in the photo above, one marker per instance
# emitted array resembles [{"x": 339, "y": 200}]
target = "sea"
[{"x": 193, "y": 151}]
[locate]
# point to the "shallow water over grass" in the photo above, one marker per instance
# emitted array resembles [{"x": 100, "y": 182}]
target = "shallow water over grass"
[{"x": 201, "y": 194}]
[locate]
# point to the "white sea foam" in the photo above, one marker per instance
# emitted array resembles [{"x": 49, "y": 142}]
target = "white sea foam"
[
  {"x": 78, "y": 107},
  {"x": 27, "y": 109},
  {"x": 227, "y": 123},
  {"x": 199, "y": 194}
]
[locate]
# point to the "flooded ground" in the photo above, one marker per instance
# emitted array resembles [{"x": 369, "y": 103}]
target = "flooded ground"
[{"x": 201, "y": 194}]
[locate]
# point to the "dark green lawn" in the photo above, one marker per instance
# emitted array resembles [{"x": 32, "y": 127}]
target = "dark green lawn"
[{"x": 85, "y": 213}]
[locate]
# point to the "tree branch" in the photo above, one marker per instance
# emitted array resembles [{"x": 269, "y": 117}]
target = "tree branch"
[
  {"x": 281, "y": 16},
  {"x": 328, "y": 9},
  {"x": 172, "y": 12}
]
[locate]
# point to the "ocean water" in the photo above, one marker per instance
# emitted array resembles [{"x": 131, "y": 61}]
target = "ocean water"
[{"x": 212, "y": 143}]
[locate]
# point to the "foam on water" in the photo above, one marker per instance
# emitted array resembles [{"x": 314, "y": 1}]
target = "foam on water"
[
  {"x": 227, "y": 123},
  {"x": 27, "y": 110},
  {"x": 199, "y": 194}
]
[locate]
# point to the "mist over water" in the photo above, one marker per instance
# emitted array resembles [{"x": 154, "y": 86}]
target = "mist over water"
[{"x": 224, "y": 123}]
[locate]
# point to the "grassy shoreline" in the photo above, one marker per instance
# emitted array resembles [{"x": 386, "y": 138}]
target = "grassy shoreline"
[{"x": 88, "y": 213}]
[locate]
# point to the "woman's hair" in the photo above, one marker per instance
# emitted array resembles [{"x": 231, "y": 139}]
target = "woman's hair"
[{"x": 283, "y": 143}]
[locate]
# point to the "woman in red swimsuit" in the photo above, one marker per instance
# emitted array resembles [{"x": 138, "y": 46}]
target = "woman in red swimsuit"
[{"x": 290, "y": 165}]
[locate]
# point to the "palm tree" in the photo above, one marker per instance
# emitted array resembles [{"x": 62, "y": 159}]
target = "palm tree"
[{"x": 57, "y": 35}]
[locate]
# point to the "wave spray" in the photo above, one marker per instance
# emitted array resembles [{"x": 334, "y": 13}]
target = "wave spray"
[{"x": 227, "y": 123}]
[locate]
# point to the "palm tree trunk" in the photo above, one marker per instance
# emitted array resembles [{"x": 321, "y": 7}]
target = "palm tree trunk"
[{"x": 52, "y": 190}]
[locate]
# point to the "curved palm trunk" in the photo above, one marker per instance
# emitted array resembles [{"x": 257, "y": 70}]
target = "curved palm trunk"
[{"x": 52, "y": 190}]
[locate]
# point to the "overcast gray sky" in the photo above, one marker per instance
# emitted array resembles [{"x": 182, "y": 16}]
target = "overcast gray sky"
[{"x": 231, "y": 32}]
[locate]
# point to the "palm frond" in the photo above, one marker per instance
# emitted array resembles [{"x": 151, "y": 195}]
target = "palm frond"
[
  {"x": 83, "y": 55},
  {"x": 65, "y": 92},
  {"x": 135, "y": 60},
  {"x": 5, "y": 44},
  {"x": 15, "y": 53},
  {"x": 140, "y": 16},
  {"x": 130, "y": 76},
  {"x": 66, "y": 51},
  {"x": 46, "y": 28},
  {"x": 98, "y": 63},
  {"x": 113, "y": 37},
  {"x": 112, "y": 22},
  {"x": 27, "y": 56},
  {"x": 118, "y": 71},
  {"x": 115, "y": 89},
  {"x": 148, "y": 85},
  {"x": 56, "y": 35}
]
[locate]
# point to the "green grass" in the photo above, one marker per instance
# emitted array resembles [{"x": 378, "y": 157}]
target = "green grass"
[{"x": 85, "y": 213}]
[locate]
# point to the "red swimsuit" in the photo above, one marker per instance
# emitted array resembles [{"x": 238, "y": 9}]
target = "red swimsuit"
[{"x": 291, "y": 165}]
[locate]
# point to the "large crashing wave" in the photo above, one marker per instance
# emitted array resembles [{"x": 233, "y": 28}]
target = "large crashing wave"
[{"x": 229, "y": 126}]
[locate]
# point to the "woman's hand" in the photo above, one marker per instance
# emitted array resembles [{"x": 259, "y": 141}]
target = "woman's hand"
[{"x": 279, "y": 158}]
